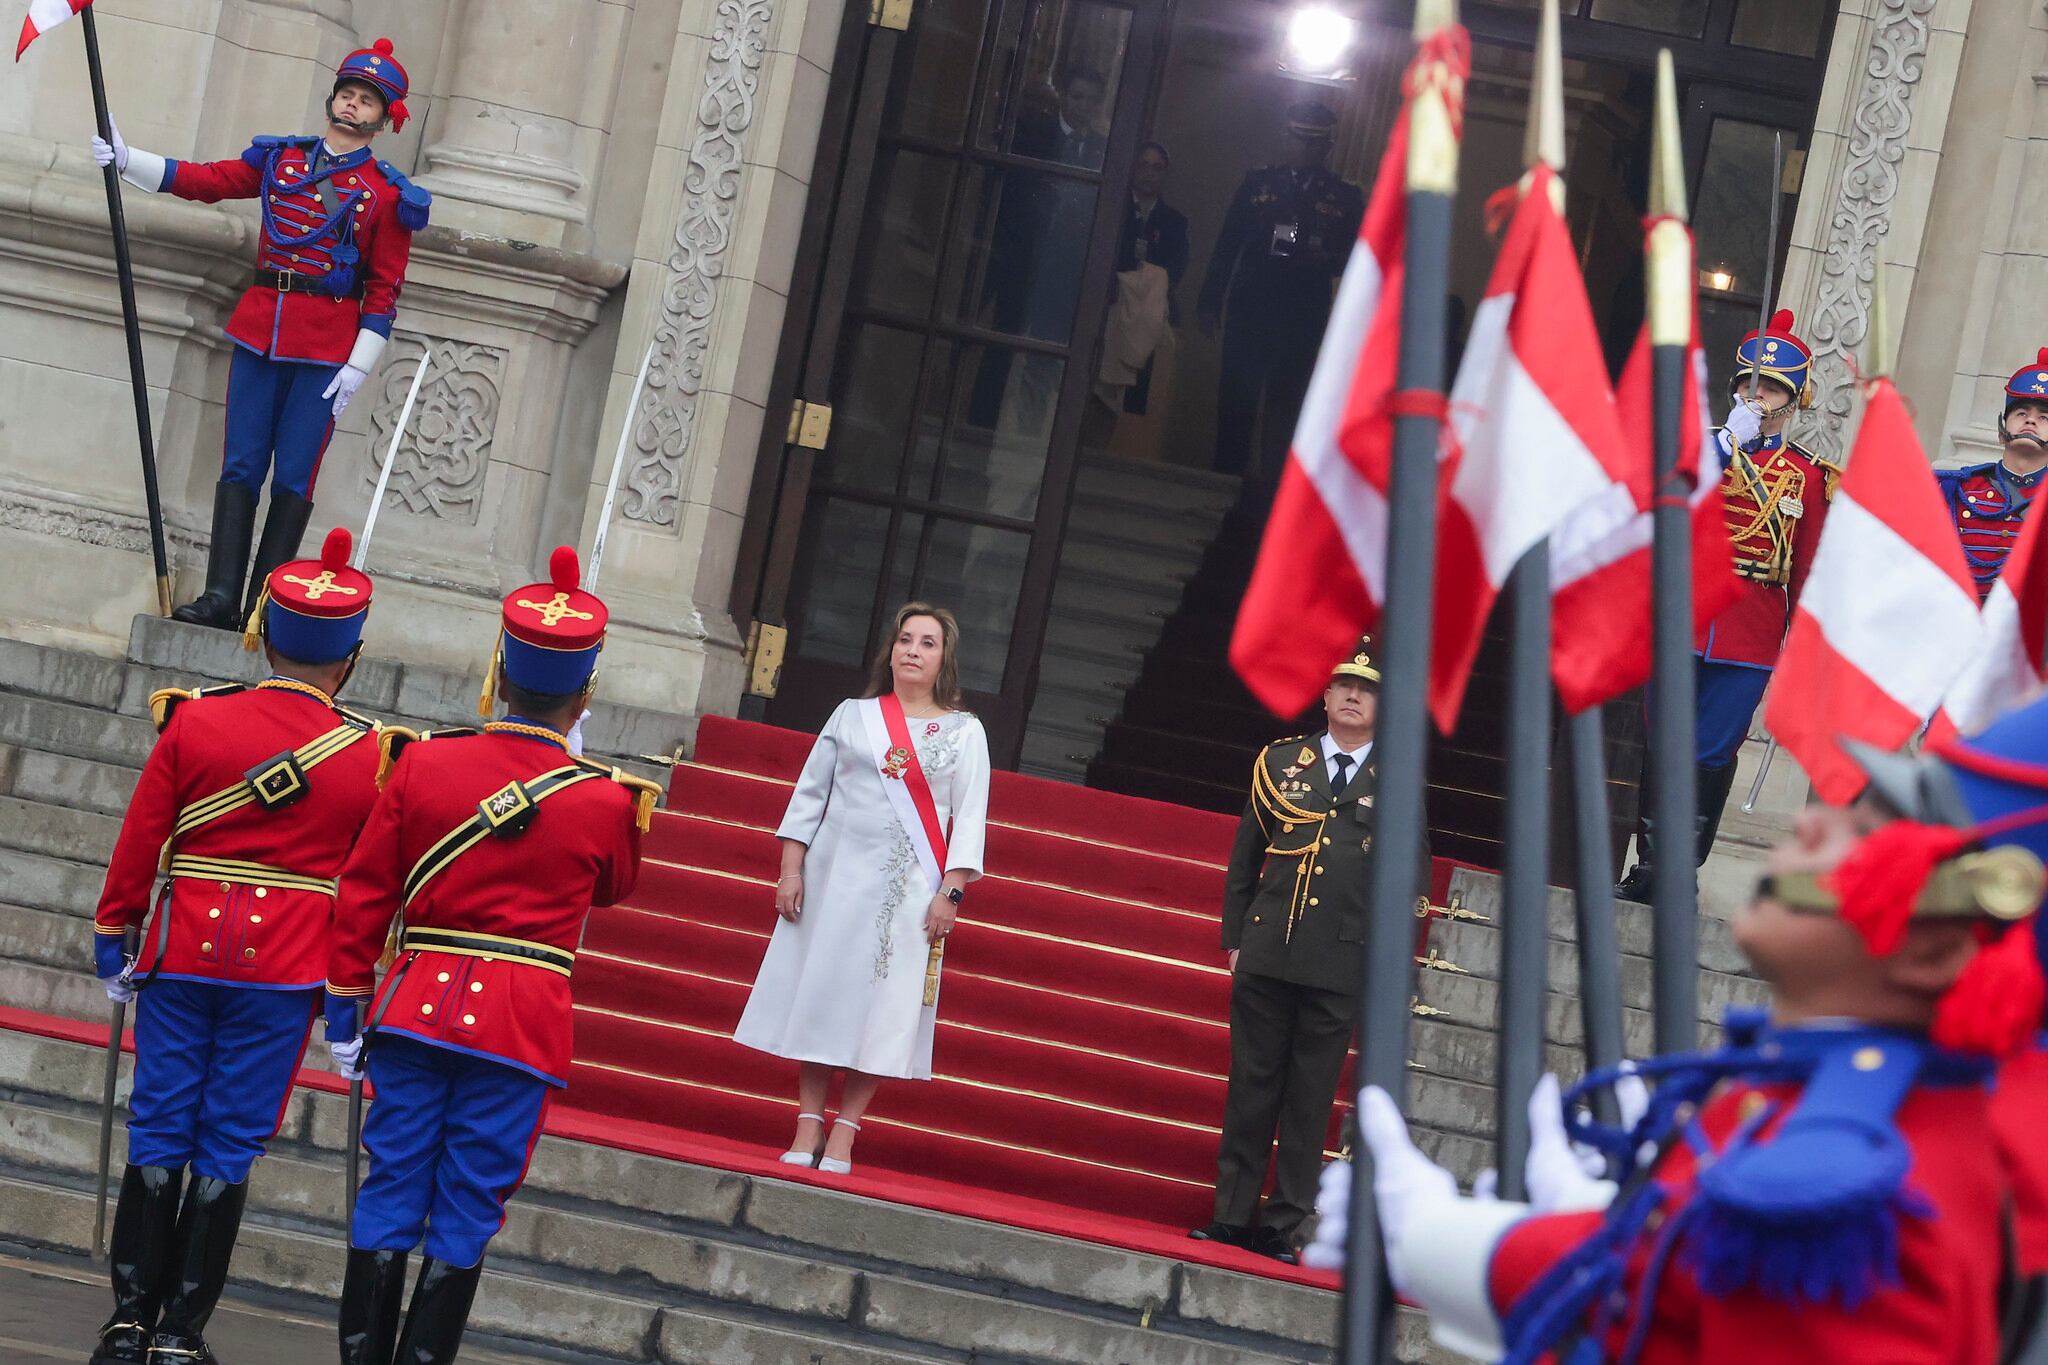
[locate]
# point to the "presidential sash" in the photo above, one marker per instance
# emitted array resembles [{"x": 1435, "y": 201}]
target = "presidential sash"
[{"x": 910, "y": 797}]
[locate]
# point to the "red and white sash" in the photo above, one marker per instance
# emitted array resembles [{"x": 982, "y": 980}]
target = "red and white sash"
[{"x": 910, "y": 794}]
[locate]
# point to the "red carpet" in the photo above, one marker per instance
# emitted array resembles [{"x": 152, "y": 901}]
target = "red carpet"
[{"x": 1082, "y": 1047}]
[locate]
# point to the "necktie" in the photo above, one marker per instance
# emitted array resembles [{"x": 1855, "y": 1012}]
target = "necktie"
[{"x": 1343, "y": 771}]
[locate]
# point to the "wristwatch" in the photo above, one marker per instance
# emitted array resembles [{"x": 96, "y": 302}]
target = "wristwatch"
[{"x": 955, "y": 895}]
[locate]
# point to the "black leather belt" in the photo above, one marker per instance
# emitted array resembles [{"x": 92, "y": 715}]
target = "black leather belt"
[
  {"x": 291, "y": 282},
  {"x": 464, "y": 944}
]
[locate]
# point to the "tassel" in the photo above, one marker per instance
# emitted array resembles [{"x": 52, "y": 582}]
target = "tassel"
[
  {"x": 252, "y": 629},
  {"x": 390, "y": 953},
  {"x": 398, "y": 114},
  {"x": 643, "y": 811},
  {"x": 1994, "y": 1009},
  {"x": 486, "y": 700},
  {"x": 1882, "y": 877}
]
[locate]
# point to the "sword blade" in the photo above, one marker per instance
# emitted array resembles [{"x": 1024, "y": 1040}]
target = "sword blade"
[
  {"x": 1763, "y": 323},
  {"x": 355, "y": 1132},
  {"x": 109, "y": 1083},
  {"x": 390, "y": 456},
  {"x": 611, "y": 486}
]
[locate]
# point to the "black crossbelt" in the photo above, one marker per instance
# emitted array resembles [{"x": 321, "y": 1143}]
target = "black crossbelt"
[{"x": 495, "y": 814}]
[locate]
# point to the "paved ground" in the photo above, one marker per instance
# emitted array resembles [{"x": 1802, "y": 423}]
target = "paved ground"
[{"x": 49, "y": 1310}]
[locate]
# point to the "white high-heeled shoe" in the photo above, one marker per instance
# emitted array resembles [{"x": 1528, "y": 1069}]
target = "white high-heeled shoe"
[
  {"x": 796, "y": 1158},
  {"x": 826, "y": 1163}
]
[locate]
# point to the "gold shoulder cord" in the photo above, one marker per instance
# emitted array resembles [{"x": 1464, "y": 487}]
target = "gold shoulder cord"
[
  {"x": 1267, "y": 794},
  {"x": 1766, "y": 492}
]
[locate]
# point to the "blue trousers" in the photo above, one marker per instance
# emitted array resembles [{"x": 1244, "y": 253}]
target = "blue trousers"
[
  {"x": 213, "y": 1072},
  {"x": 1728, "y": 697},
  {"x": 450, "y": 1137},
  {"x": 275, "y": 410}
]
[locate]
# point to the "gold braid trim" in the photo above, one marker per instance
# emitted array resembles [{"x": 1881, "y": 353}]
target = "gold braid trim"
[
  {"x": 1266, "y": 793},
  {"x": 1766, "y": 520}
]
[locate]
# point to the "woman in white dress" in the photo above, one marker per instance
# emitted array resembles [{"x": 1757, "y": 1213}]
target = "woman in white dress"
[{"x": 882, "y": 836}]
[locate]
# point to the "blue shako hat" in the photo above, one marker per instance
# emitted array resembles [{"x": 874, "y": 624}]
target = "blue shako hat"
[
  {"x": 2029, "y": 384},
  {"x": 1777, "y": 354},
  {"x": 551, "y": 636},
  {"x": 313, "y": 610}
]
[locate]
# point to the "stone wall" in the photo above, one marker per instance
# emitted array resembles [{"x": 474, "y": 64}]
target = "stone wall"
[{"x": 608, "y": 174}]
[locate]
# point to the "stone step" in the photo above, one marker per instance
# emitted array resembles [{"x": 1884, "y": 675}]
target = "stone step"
[
  {"x": 57, "y": 884},
  {"x": 1145, "y": 485},
  {"x": 61, "y": 675},
  {"x": 57, "y": 831},
  {"x": 39, "y": 937},
  {"x": 766, "y": 1246},
  {"x": 59, "y": 727},
  {"x": 57, "y": 780},
  {"x": 1476, "y": 949},
  {"x": 1474, "y": 1002},
  {"x": 68, "y": 993}
]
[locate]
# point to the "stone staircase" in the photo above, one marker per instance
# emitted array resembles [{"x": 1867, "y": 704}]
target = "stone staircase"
[{"x": 1135, "y": 533}]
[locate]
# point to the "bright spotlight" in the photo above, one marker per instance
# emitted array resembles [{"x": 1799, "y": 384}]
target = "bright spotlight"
[
  {"x": 1319, "y": 42},
  {"x": 1720, "y": 279}
]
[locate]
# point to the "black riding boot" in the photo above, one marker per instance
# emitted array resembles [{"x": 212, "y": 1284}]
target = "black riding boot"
[
  {"x": 1712, "y": 786},
  {"x": 227, "y": 558},
  {"x": 439, "y": 1312},
  {"x": 207, "y": 1228},
  {"x": 145, "y": 1231},
  {"x": 283, "y": 529},
  {"x": 372, "y": 1293}
]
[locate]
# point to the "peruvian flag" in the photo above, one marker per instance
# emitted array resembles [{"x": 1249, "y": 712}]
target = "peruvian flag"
[
  {"x": 1601, "y": 573},
  {"x": 2011, "y": 663},
  {"x": 1888, "y": 618},
  {"x": 44, "y": 15},
  {"x": 1541, "y": 437}
]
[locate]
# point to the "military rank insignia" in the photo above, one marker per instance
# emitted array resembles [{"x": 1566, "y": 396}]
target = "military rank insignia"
[
  {"x": 508, "y": 811},
  {"x": 277, "y": 781},
  {"x": 1306, "y": 756}
]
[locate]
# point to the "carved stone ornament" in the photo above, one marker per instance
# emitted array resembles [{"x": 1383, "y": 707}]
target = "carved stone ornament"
[
  {"x": 1861, "y": 214},
  {"x": 441, "y": 463},
  {"x": 667, "y": 420}
]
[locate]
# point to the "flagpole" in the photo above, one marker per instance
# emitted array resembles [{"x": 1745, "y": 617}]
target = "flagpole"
[
  {"x": 1593, "y": 905},
  {"x": 124, "y": 271},
  {"x": 1674, "y": 891},
  {"x": 1525, "y": 908},
  {"x": 1402, "y": 737}
]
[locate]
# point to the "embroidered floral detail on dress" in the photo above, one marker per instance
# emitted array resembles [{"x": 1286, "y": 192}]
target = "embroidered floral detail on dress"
[{"x": 898, "y": 874}]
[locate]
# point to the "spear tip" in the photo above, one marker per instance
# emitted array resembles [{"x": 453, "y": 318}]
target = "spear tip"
[
  {"x": 1433, "y": 16},
  {"x": 1667, "y": 150},
  {"x": 1880, "y": 356},
  {"x": 1544, "y": 142}
]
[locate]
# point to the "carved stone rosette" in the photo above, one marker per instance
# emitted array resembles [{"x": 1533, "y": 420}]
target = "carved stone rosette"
[
  {"x": 1861, "y": 213},
  {"x": 667, "y": 420},
  {"x": 440, "y": 467}
]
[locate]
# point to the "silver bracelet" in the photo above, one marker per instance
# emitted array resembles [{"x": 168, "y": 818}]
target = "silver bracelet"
[{"x": 792, "y": 877}]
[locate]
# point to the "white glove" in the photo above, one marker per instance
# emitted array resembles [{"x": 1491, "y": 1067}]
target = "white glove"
[
  {"x": 120, "y": 989},
  {"x": 1406, "y": 1184},
  {"x": 1744, "y": 424},
  {"x": 1333, "y": 1219},
  {"x": 343, "y": 390},
  {"x": 348, "y": 1058},
  {"x": 1556, "y": 1172},
  {"x": 115, "y": 155},
  {"x": 1792, "y": 507},
  {"x": 575, "y": 736}
]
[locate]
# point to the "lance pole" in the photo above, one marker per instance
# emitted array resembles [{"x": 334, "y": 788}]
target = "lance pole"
[
  {"x": 1593, "y": 908},
  {"x": 1525, "y": 901},
  {"x": 1674, "y": 894},
  {"x": 390, "y": 457},
  {"x": 1388, "y": 965},
  {"x": 131, "y": 321},
  {"x": 611, "y": 486}
]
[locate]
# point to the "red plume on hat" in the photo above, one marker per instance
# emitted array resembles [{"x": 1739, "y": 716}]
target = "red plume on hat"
[{"x": 563, "y": 568}]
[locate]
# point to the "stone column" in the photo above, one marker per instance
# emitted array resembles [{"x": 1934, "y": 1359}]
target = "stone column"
[{"x": 517, "y": 133}]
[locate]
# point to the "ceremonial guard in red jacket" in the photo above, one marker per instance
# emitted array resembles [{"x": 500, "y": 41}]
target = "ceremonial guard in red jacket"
[
  {"x": 1776, "y": 496},
  {"x": 1989, "y": 501},
  {"x": 491, "y": 848},
  {"x": 337, "y": 232},
  {"x": 249, "y": 802},
  {"x": 1824, "y": 1186}
]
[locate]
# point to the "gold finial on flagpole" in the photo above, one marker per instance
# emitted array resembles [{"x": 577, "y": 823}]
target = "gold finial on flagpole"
[
  {"x": 1878, "y": 350},
  {"x": 1544, "y": 143},
  {"x": 1672, "y": 283},
  {"x": 1432, "y": 134},
  {"x": 1432, "y": 16}
]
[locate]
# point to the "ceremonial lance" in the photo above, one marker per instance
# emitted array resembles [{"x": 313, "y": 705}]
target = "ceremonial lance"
[{"x": 611, "y": 485}]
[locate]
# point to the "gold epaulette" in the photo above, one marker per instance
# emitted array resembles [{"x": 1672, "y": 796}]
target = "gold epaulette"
[
  {"x": 390, "y": 741},
  {"x": 645, "y": 792},
  {"x": 164, "y": 701}
]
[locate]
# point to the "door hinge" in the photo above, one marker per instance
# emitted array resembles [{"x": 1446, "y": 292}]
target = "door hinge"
[
  {"x": 765, "y": 644},
  {"x": 889, "y": 13},
  {"x": 809, "y": 424}
]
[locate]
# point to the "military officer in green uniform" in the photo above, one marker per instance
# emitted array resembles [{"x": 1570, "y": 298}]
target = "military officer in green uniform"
[
  {"x": 1294, "y": 905},
  {"x": 1285, "y": 239}
]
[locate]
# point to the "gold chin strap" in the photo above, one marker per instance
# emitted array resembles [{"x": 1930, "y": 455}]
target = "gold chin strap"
[{"x": 1998, "y": 883}]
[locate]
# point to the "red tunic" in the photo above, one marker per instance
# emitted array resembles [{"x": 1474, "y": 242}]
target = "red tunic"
[
  {"x": 2019, "y": 1122},
  {"x": 313, "y": 326},
  {"x": 231, "y": 928},
  {"x": 1772, "y": 551},
  {"x": 1943, "y": 1312},
  {"x": 582, "y": 849}
]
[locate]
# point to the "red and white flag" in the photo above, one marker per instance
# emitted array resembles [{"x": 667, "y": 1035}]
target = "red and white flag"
[
  {"x": 1321, "y": 571},
  {"x": 1540, "y": 436},
  {"x": 1601, "y": 623},
  {"x": 1888, "y": 617},
  {"x": 44, "y": 15},
  {"x": 2011, "y": 664}
]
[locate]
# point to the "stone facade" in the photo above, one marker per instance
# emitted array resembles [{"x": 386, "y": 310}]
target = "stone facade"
[{"x": 608, "y": 174}]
